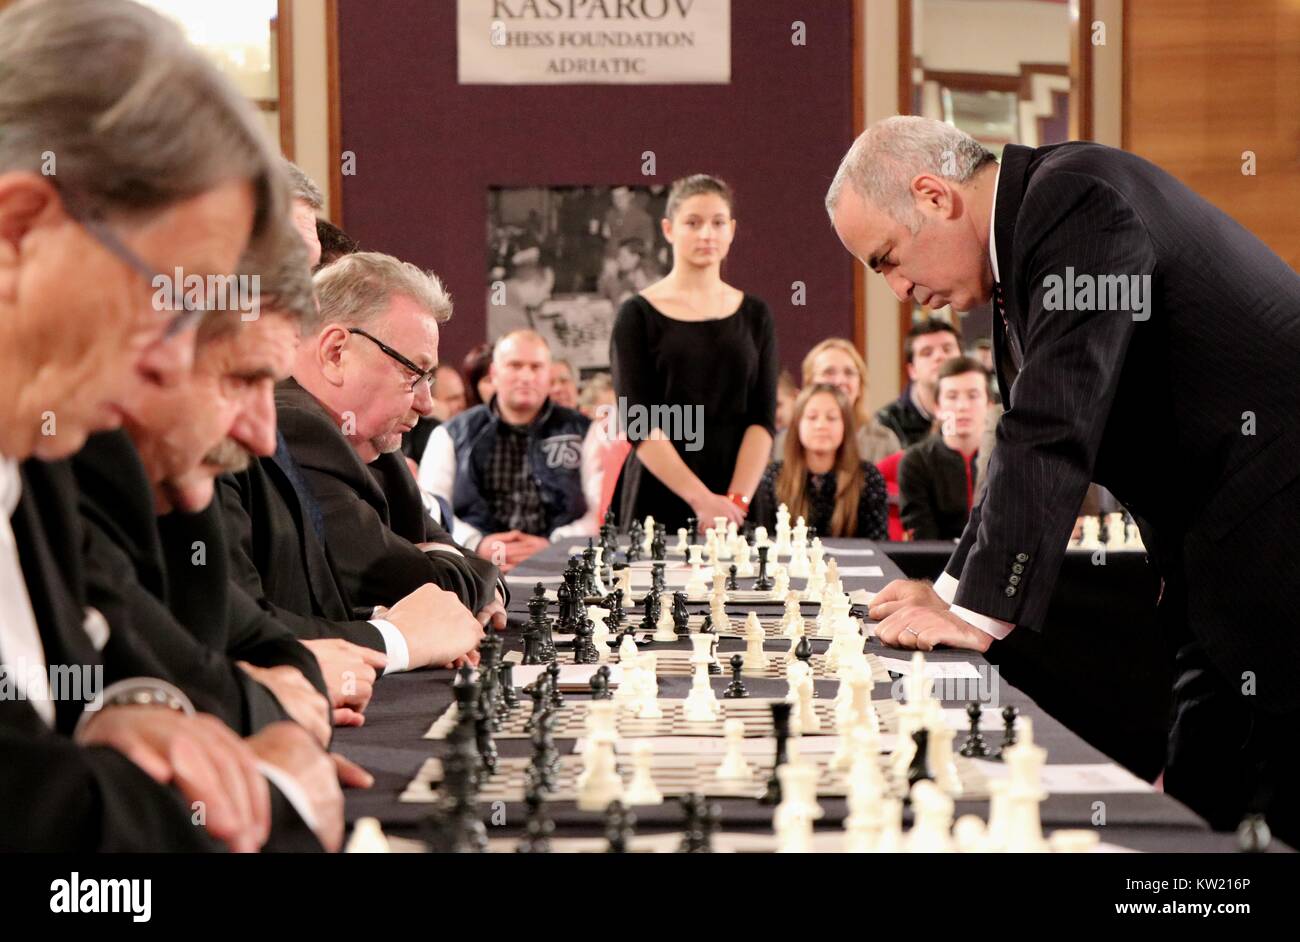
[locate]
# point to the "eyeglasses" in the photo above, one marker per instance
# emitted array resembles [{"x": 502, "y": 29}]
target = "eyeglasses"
[
  {"x": 189, "y": 312},
  {"x": 421, "y": 375}
]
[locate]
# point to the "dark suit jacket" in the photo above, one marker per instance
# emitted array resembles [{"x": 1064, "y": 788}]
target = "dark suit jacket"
[
  {"x": 1186, "y": 411},
  {"x": 932, "y": 491},
  {"x": 374, "y": 515},
  {"x": 169, "y": 580},
  {"x": 57, "y": 795},
  {"x": 277, "y": 558}
]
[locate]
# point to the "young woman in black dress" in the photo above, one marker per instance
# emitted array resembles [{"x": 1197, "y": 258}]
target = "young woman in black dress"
[
  {"x": 692, "y": 341},
  {"x": 820, "y": 477}
]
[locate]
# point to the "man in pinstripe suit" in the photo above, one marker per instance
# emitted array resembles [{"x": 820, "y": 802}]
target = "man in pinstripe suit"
[{"x": 1145, "y": 341}]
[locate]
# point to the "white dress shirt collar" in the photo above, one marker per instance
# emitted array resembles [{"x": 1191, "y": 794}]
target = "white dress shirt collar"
[{"x": 993, "y": 217}]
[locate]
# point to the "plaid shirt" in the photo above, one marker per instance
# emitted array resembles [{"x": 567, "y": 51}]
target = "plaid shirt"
[{"x": 508, "y": 485}]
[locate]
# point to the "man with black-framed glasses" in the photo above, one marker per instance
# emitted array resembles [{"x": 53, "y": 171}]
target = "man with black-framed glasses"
[{"x": 361, "y": 379}]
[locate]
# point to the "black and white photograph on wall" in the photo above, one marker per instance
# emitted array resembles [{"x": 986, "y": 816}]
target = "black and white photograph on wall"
[{"x": 561, "y": 260}]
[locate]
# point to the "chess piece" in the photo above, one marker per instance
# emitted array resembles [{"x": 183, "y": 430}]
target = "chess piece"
[
  {"x": 537, "y": 693},
  {"x": 974, "y": 747},
  {"x": 968, "y": 833},
  {"x": 659, "y": 544},
  {"x": 538, "y": 827},
  {"x": 701, "y": 704},
  {"x": 599, "y": 684},
  {"x": 642, "y": 789},
  {"x": 682, "y": 542},
  {"x": 695, "y": 584},
  {"x": 1023, "y": 831},
  {"x": 736, "y": 689},
  {"x": 1253, "y": 834},
  {"x": 931, "y": 820},
  {"x": 1009, "y": 714},
  {"x": 584, "y": 651},
  {"x": 919, "y": 769},
  {"x": 507, "y": 685},
  {"x": 599, "y": 782},
  {"x": 553, "y": 672},
  {"x": 619, "y": 826},
  {"x": 803, "y": 651},
  {"x": 780, "y": 582},
  {"x": 763, "y": 583},
  {"x": 781, "y": 729},
  {"x": 755, "y": 655},
  {"x": 734, "y": 768},
  {"x": 367, "y": 838},
  {"x": 730, "y": 584},
  {"x": 650, "y": 608},
  {"x": 681, "y": 616},
  {"x": 597, "y": 616}
]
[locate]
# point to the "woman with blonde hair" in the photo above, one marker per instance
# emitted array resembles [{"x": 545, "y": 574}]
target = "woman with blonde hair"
[
  {"x": 821, "y": 477},
  {"x": 837, "y": 362}
]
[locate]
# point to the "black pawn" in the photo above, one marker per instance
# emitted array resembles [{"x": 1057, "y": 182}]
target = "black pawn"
[
  {"x": 619, "y": 826},
  {"x": 1009, "y": 714},
  {"x": 539, "y": 827},
  {"x": 764, "y": 582},
  {"x": 553, "y": 685},
  {"x": 803, "y": 650},
  {"x": 584, "y": 651},
  {"x": 736, "y": 689},
  {"x": 919, "y": 770},
  {"x": 599, "y": 684},
  {"x": 974, "y": 747},
  {"x": 781, "y": 727},
  {"x": 730, "y": 585}
]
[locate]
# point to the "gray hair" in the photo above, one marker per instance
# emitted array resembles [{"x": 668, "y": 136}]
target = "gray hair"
[
  {"x": 303, "y": 187},
  {"x": 886, "y": 156},
  {"x": 283, "y": 285},
  {"x": 135, "y": 117},
  {"x": 355, "y": 290}
]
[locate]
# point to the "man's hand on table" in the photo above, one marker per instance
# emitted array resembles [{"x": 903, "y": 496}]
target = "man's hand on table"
[
  {"x": 924, "y": 628},
  {"x": 508, "y": 549},
  {"x": 436, "y": 625},
  {"x": 904, "y": 592}
]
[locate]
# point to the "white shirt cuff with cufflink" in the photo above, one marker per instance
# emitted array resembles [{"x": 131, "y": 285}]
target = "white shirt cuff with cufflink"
[
  {"x": 292, "y": 791},
  {"x": 946, "y": 588}
]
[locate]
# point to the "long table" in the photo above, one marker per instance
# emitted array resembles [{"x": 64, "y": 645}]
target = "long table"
[{"x": 392, "y": 747}]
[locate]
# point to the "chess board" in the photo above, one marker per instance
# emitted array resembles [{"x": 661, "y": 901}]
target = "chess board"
[
  {"x": 570, "y": 720},
  {"x": 675, "y": 775},
  {"x": 678, "y": 663},
  {"x": 771, "y": 625}
]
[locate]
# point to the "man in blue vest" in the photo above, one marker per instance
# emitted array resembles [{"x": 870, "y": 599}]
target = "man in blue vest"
[{"x": 512, "y": 470}]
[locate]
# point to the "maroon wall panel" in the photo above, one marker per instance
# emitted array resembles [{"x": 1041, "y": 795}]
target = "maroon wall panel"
[{"x": 427, "y": 149}]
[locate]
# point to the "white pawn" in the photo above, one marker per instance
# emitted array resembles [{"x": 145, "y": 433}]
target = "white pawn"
[
  {"x": 813, "y": 587},
  {"x": 726, "y": 544},
  {"x": 647, "y": 542},
  {"x": 890, "y": 839},
  {"x": 803, "y": 718},
  {"x": 701, "y": 702},
  {"x": 696, "y": 588},
  {"x": 744, "y": 564},
  {"x": 734, "y": 768},
  {"x": 941, "y": 759},
  {"x": 798, "y": 556},
  {"x": 755, "y": 656},
  {"x": 760, "y": 537},
  {"x": 1115, "y": 531},
  {"x": 718, "y": 613},
  {"x": 642, "y": 789},
  {"x": 782, "y": 545},
  {"x": 793, "y": 829},
  {"x": 682, "y": 542},
  {"x": 833, "y": 576},
  {"x": 780, "y": 582},
  {"x": 645, "y": 689},
  {"x": 931, "y": 820},
  {"x": 665, "y": 630},
  {"x": 817, "y": 556},
  {"x": 968, "y": 834},
  {"x": 367, "y": 838}
]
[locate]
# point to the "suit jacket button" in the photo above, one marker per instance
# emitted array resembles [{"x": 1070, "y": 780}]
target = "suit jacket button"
[
  {"x": 1022, "y": 557},
  {"x": 1017, "y": 568},
  {"x": 1014, "y": 580},
  {"x": 1011, "y": 590}
]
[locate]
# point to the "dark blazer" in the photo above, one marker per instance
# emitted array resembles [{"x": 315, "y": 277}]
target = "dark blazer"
[
  {"x": 278, "y": 559},
  {"x": 373, "y": 514},
  {"x": 1184, "y": 410},
  {"x": 57, "y": 795},
  {"x": 169, "y": 580},
  {"x": 932, "y": 490}
]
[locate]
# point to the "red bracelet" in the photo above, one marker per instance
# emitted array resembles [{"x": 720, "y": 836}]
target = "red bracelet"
[{"x": 740, "y": 500}]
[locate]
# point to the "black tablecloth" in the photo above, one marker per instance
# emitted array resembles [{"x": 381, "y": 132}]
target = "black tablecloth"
[{"x": 391, "y": 746}]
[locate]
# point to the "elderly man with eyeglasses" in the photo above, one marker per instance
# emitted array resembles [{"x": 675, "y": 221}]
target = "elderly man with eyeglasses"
[{"x": 361, "y": 379}]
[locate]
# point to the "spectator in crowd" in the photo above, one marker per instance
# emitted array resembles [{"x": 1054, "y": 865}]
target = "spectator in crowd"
[
  {"x": 928, "y": 345},
  {"x": 476, "y": 368},
  {"x": 836, "y": 361},
  {"x": 820, "y": 477},
  {"x": 938, "y": 476},
  {"x": 306, "y": 201},
  {"x": 786, "y": 393},
  {"x": 511, "y": 470},
  {"x": 334, "y": 243},
  {"x": 606, "y": 448},
  {"x": 564, "y": 384}
]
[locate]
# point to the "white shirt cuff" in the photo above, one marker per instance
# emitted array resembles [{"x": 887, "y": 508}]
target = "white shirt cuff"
[
  {"x": 399, "y": 655},
  {"x": 945, "y": 587},
  {"x": 990, "y": 626},
  {"x": 292, "y": 791}
]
